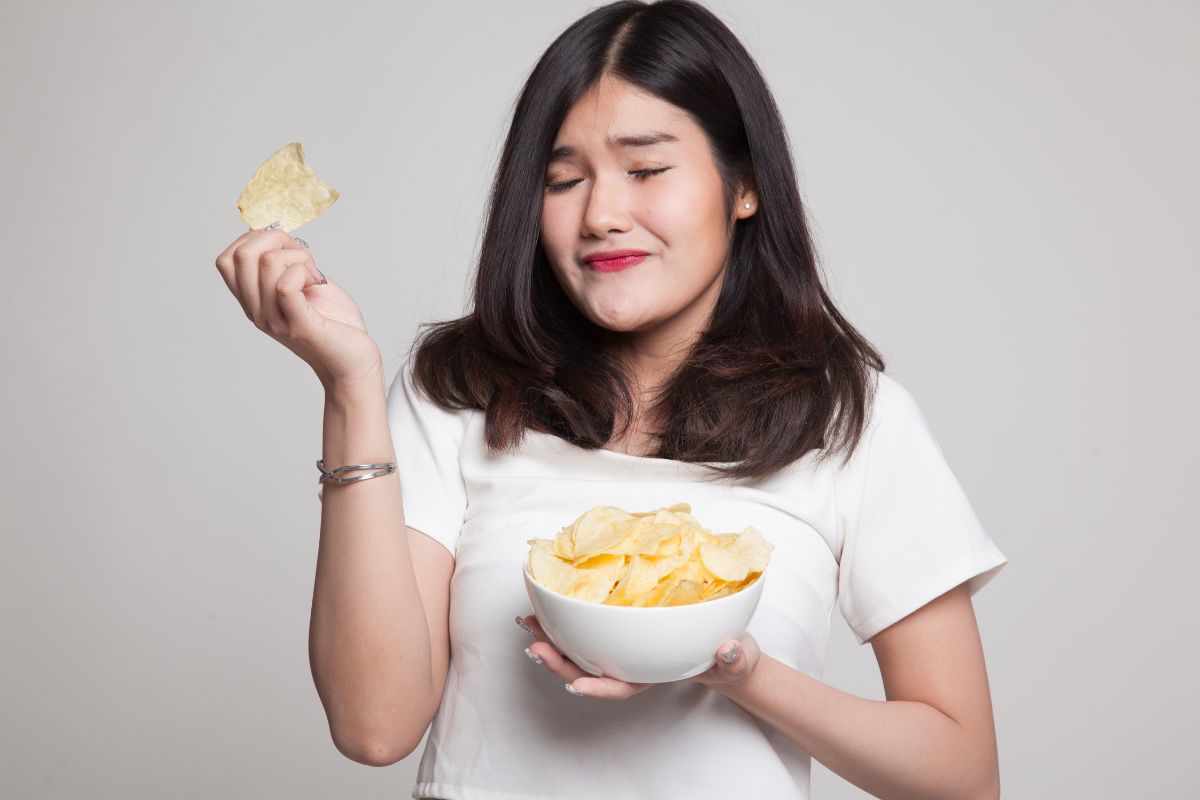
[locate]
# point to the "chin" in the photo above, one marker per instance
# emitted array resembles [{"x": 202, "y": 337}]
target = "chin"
[
  {"x": 625, "y": 325},
  {"x": 620, "y": 311},
  {"x": 620, "y": 319}
]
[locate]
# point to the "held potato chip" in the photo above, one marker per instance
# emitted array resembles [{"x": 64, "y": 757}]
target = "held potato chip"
[
  {"x": 651, "y": 558},
  {"x": 286, "y": 191}
]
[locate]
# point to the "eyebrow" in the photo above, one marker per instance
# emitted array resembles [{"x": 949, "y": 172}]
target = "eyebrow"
[{"x": 634, "y": 140}]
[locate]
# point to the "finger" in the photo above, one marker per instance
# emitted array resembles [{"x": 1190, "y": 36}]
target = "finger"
[
  {"x": 579, "y": 679},
  {"x": 736, "y": 658},
  {"x": 606, "y": 688},
  {"x": 555, "y": 661},
  {"x": 271, "y": 268},
  {"x": 225, "y": 261},
  {"x": 535, "y": 628},
  {"x": 246, "y": 258},
  {"x": 551, "y": 658},
  {"x": 289, "y": 294}
]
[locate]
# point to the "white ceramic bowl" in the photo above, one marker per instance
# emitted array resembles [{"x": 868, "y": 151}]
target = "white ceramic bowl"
[{"x": 642, "y": 645}]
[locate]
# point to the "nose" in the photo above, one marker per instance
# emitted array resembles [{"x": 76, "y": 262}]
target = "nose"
[{"x": 606, "y": 209}]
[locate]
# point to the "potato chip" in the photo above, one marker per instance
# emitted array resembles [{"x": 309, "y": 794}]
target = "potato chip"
[
  {"x": 733, "y": 558},
  {"x": 643, "y": 574},
  {"x": 638, "y": 577},
  {"x": 595, "y": 584},
  {"x": 654, "y": 558},
  {"x": 286, "y": 191},
  {"x": 684, "y": 593},
  {"x": 655, "y": 596},
  {"x": 592, "y": 584},
  {"x": 596, "y": 531}
]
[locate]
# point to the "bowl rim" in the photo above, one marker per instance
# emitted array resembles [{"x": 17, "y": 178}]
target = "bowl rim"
[{"x": 619, "y": 609}]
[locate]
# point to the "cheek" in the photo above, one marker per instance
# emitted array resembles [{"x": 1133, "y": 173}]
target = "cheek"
[
  {"x": 694, "y": 239},
  {"x": 670, "y": 212},
  {"x": 687, "y": 218},
  {"x": 559, "y": 249},
  {"x": 548, "y": 226},
  {"x": 558, "y": 232}
]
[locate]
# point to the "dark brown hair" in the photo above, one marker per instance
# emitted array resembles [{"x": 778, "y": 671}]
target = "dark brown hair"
[{"x": 777, "y": 373}]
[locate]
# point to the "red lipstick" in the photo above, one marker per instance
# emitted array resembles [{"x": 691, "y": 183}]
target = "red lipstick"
[{"x": 614, "y": 260}]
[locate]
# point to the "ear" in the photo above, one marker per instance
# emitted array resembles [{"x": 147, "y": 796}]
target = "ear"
[{"x": 744, "y": 196}]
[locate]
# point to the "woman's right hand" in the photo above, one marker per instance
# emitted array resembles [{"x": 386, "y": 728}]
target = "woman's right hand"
[{"x": 286, "y": 297}]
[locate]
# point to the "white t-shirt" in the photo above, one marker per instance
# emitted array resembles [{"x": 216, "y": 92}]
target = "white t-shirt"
[{"x": 879, "y": 538}]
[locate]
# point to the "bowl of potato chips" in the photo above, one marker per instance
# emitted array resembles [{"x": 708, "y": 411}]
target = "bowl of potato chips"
[{"x": 644, "y": 597}]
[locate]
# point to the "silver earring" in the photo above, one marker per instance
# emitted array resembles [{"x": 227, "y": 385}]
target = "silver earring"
[{"x": 747, "y": 205}]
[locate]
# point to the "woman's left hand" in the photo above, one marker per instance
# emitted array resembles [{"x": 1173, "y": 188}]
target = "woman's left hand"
[{"x": 744, "y": 649}]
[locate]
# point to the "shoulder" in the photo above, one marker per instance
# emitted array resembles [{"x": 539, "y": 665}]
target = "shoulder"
[
  {"x": 408, "y": 399},
  {"x": 892, "y": 402},
  {"x": 894, "y": 421}
]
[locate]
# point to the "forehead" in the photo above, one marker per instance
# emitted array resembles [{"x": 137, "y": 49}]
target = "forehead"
[{"x": 615, "y": 116}]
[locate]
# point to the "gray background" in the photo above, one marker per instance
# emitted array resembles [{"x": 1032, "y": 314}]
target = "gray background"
[{"x": 1001, "y": 193}]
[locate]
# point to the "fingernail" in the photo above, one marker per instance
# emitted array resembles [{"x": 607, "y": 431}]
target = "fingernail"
[
  {"x": 301, "y": 242},
  {"x": 533, "y": 656},
  {"x": 272, "y": 226},
  {"x": 730, "y": 655},
  {"x": 573, "y": 690},
  {"x": 323, "y": 279},
  {"x": 521, "y": 622}
]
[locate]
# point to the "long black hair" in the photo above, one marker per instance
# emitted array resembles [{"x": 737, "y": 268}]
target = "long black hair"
[{"x": 777, "y": 373}]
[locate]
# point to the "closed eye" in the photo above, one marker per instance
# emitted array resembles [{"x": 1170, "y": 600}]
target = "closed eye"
[{"x": 640, "y": 174}]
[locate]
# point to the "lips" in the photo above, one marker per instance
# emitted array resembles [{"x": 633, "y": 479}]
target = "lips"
[{"x": 612, "y": 260}]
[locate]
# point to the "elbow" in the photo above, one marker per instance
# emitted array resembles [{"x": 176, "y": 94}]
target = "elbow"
[
  {"x": 373, "y": 751},
  {"x": 382, "y": 741}
]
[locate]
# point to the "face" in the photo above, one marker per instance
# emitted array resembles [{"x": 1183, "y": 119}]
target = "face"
[{"x": 616, "y": 183}]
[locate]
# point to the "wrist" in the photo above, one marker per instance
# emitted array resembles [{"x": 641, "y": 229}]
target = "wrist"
[{"x": 352, "y": 391}]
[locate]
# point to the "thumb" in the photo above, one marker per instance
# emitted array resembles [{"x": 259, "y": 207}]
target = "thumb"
[
  {"x": 730, "y": 657},
  {"x": 737, "y": 658}
]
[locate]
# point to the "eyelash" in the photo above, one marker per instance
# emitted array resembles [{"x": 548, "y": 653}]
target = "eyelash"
[{"x": 641, "y": 174}]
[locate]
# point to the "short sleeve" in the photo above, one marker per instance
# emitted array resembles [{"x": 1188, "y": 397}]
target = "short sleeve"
[
  {"x": 427, "y": 439},
  {"x": 907, "y": 531}
]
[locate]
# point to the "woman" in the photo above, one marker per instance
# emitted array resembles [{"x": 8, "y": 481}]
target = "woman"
[{"x": 648, "y": 327}]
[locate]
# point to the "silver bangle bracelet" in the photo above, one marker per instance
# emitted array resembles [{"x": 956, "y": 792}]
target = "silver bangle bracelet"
[{"x": 334, "y": 476}]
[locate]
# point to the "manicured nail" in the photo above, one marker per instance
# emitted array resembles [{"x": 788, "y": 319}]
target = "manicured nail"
[
  {"x": 730, "y": 655},
  {"x": 522, "y": 623},
  {"x": 323, "y": 279},
  {"x": 272, "y": 226},
  {"x": 533, "y": 656},
  {"x": 301, "y": 242},
  {"x": 573, "y": 690}
]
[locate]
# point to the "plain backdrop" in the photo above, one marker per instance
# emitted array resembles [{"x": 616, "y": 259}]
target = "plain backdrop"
[{"x": 1005, "y": 199}]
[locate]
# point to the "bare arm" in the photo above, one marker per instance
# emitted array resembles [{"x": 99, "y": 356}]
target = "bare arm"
[
  {"x": 378, "y": 633},
  {"x": 378, "y": 642},
  {"x": 932, "y": 738}
]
